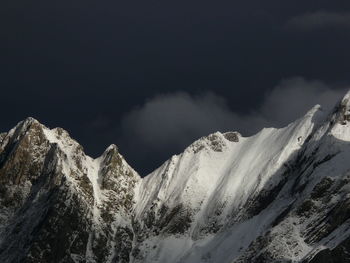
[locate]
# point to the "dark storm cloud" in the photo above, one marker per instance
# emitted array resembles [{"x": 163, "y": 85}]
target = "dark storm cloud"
[
  {"x": 319, "y": 20},
  {"x": 82, "y": 65},
  {"x": 166, "y": 124}
]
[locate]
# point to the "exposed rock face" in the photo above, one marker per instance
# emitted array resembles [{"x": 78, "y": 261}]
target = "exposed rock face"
[
  {"x": 282, "y": 195},
  {"x": 54, "y": 206}
]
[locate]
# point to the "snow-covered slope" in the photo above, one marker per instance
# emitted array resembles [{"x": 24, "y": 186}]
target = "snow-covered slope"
[
  {"x": 217, "y": 183},
  {"x": 282, "y": 195}
]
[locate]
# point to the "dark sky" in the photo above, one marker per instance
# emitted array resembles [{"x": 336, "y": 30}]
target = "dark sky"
[{"x": 152, "y": 76}]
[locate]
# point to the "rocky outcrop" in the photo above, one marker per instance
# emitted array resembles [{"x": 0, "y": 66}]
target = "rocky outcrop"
[{"x": 57, "y": 204}]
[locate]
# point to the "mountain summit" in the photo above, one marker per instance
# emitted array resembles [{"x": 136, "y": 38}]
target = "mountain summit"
[{"x": 282, "y": 195}]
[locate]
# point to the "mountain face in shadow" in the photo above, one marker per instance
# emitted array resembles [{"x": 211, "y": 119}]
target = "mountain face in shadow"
[{"x": 282, "y": 195}]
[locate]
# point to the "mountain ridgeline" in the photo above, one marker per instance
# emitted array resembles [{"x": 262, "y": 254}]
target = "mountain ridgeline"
[{"x": 282, "y": 195}]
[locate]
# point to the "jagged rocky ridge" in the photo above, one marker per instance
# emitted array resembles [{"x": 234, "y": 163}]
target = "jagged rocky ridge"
[{"x": 282, "y": 195}]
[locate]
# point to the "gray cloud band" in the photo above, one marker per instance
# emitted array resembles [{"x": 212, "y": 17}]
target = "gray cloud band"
[{"x": 167, "y": 123}]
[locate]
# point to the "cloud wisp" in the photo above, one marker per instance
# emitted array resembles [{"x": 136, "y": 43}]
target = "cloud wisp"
[
  {"x": 166, "y": 124},
  {"x": 319, "y": 20}
]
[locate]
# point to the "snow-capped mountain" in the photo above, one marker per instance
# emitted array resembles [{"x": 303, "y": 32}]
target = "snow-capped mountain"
[{"x": 282, "y": 195}]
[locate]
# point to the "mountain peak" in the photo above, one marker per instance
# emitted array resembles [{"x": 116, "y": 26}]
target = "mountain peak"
[
  {"x": 347, "y": 95},
  {"x": 216, "y": 142},
  {"x": 279, "y": 195},
  {"x": 343, "y": 109},
  {"x": 28, "y": 123},
  {"x": 111, "y": 148},
  {"x": 30, "y": 120}
]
